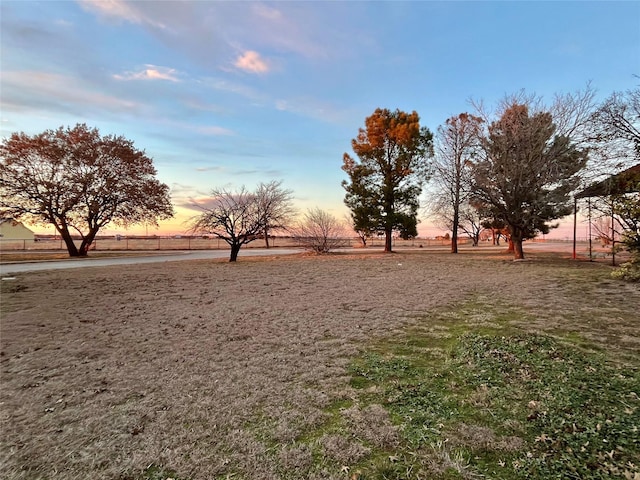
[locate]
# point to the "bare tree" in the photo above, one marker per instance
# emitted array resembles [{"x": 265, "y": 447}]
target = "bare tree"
[
  {"x": 470, "y": 218},
  {"x": 572, "y": 115},
  {"x": 275, "y": 204},
  {"x": 617, "y": 217},
  {"x": 235, "y": 217},
  {"x": 80, "y": 182},
  {"x": 457, "y": 143},
  {"x": 616, "y": 128},
  {"x": 616, "y": 137},
  {"x": 320, "y": 231}
]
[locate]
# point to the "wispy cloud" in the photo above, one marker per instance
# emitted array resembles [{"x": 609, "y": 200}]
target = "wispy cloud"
[
  {"x": 198, "y": 104},
  {"x": 313, "y": 108},
  {"x": 209, "y": 32},
  {"x": 266, "y": 12},
  {"x": 237, "y": 88},
  {"x": 32, "y": 90},
  {"x": 150, "y": 72},
  {"x": 287, "y": 29},
  {"x": 182, "y": 192},
  {"x": 251, "y": 61},
  {"x": 196, "y": 132},
  {"x": 213, "y": 168},
  {"x": 215, "y": 131},
  {"x": 242, "y": 172},
  {"x": 257, "y": 171},
  {"x": 119, "y": 10}
]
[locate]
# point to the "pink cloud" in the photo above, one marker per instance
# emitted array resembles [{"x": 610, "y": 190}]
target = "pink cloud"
[{"x": 251, "y": 61}]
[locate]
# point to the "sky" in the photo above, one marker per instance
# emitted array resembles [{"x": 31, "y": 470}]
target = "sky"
[{"x": 230, "y": 94}]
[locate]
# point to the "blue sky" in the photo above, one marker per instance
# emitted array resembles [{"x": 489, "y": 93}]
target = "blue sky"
[{"x": 235, "y": 93}]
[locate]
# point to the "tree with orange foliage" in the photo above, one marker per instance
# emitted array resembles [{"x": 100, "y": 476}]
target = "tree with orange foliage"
[{"x": 394, "y": 154}]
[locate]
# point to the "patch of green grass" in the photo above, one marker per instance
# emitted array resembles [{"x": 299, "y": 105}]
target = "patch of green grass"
[
  {"x": 499, "y": 403},
  {"x": 580, "y": 414},
  {"x": 372, "y": 368}
]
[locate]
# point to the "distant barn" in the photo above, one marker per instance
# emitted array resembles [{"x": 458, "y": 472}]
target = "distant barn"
[{"x": 11, "y": 229}]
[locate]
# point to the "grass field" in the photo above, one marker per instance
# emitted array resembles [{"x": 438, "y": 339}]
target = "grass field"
[{"x": 408, "y": 365}]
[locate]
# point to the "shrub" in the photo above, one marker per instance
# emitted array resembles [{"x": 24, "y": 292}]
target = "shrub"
[
  {"x": 629, "y": 271},
  {"x": 320, "y": 232}
]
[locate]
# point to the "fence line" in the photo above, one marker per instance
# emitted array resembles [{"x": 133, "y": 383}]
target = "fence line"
[
  {"x": 190, "y": 243},
  {"x": 199, "y": 243}
]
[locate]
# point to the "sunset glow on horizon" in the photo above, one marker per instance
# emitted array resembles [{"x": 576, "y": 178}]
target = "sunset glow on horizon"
[{"x": 231, "y": 94}]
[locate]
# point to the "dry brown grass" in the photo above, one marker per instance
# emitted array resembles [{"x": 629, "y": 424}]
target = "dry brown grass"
[{"x": 210, "y": 368}]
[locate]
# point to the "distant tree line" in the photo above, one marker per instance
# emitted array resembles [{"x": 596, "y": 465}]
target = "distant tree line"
[{"x": 514, "y": 170}]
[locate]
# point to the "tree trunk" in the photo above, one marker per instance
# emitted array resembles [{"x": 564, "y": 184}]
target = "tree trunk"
[
  {"x": 266, "y": 237},
  {"x": 235, "y": 249},
  {"x": 516, "y": 241},
  {"x": 86, "y": 243},
  {"x": 68, "y": 241},
  {"x": 454, "y": 233},
  {"x": 510, "y": 247},
  {"x": 518, "y": 253},
  {"x": 387, "y": 240},
  {"x": 83, "y": 251}
]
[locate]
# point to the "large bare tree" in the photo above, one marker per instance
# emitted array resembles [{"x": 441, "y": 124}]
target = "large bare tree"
[
  {"x": 80, "y": 182},
  {"x": 385, "y": 184},
  {"x": 242, "y": 216},
  {"x": 457, "y": 144},
  {"x": 233, "y": 216}
]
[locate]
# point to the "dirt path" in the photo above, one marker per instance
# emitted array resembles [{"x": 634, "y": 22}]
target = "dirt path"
[{"x": 12, "y": 268}]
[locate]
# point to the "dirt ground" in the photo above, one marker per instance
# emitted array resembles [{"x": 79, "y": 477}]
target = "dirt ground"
[{"x": 105, "y": 371}]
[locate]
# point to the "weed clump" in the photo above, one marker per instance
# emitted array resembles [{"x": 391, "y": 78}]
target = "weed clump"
[{"x": 629, "y": 271}]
